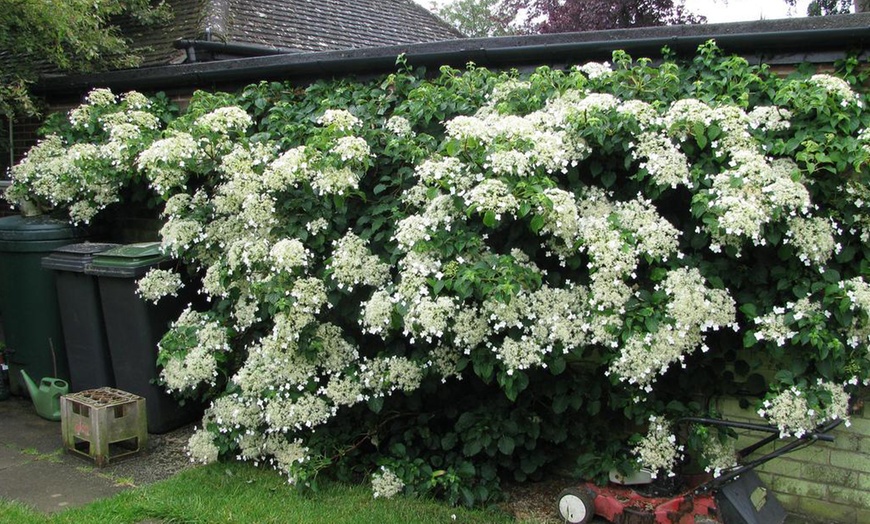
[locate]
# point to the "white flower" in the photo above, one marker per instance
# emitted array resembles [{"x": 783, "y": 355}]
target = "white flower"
[
  {"x": 158, "y": 283},
  {"x": 353, "y": 264},
  {"x": 351, "y": 149},
  {"x": 225, "y": 120},
  {"x": 658, "y": 450},
  {"x": 399, "y": 126},
  {"x": 201, "y": 447},
  {"x": 386, "y": 484},
  {"x": 596, "y": 69},
  {"x": 340, "y": 118}
]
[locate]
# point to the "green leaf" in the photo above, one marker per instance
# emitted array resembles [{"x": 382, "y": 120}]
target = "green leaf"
[
  {"x": 489, "y": 219},
  {"x": 448, "y": 441},
  {"x": 376, "y": 404},
  {"x": 608, "y": 179},
  {"x": 749, "y": 310},
  {"x": 506, "y": 445},
  {"x": 557, "y": 366},
  {"x": 784, "y": 376},
  {"x": 472, "y": 448}
]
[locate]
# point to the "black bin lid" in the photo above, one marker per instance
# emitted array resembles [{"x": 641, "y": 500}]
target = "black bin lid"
[
  {"x": 40, "y": 227},
  {"x": 75, "y": 257}
]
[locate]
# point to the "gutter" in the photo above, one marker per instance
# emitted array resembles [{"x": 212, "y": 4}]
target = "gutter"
[
  {"x": 229, "y": 48},
  {"x": 764, "y": 44}
]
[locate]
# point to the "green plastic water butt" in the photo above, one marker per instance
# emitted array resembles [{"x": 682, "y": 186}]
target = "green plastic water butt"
[
  {"x": 135, "y": 326},
  {"x": 28, "y": 300}
]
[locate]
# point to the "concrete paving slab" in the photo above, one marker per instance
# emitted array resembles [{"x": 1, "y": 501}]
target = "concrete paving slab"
[
  {"x": 51, "y": 487},
  {"x": 37, "y": 471},
  {"x": 23, "y": 428},
  {"x": 10, "y": 457}
]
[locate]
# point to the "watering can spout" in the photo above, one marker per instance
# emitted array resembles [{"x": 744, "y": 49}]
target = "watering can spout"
[
  {"x": 32, "y": 388},
  {"x": 46, "y": 395}
]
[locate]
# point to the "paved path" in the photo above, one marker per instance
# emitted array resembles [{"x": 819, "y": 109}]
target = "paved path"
[{"x": 35, "y": 469}]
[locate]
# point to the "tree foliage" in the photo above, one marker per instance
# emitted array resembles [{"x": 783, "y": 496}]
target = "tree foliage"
[
  {"x": 498, "y": 17},
  {"x": 66, "y": 35},
  {"x": 478, "y": 18}
]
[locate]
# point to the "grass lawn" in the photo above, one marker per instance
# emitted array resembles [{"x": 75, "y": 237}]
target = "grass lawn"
[{"x": 241, "y": 493}]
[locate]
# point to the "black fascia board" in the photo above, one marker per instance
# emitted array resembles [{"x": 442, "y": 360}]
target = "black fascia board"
[{"x": 779, "y": 41}]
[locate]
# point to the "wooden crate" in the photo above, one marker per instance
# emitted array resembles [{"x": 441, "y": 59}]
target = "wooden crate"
[{"x": 104, "y": 424}]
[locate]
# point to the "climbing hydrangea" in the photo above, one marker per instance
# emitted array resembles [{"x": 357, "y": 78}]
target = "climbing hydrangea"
[{"x": 538, "y": 247}]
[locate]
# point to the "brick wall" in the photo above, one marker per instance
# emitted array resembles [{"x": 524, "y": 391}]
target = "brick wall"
[{"x": 827, "y": 481}]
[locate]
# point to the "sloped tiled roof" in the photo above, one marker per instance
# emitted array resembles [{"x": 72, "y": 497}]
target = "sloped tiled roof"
[
  {"x": 291, "y": 25},
  {"x": 321, "y": 25}
]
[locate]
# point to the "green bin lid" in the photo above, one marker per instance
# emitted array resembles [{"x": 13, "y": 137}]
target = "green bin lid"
[
  {"x": 19, "y": 228},
  {"x": 130, "y": 256},
  {"x": 129, "y": 261}
]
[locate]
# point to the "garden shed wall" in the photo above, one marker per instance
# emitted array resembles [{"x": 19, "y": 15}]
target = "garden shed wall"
[{"x": 827, "y": 480}]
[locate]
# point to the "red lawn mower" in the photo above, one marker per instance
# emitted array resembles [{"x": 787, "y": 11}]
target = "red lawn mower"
[{"x": 735, "y": 497}]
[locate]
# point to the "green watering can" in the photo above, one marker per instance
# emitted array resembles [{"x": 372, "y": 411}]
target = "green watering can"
[{"x": 46, "y": 396}]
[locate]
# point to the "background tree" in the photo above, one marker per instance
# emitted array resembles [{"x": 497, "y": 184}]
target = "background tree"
[
  {"x": 555, "y": 16},
  {"x": 478, "y": 18},
  {"x": 66, "y": 35}
]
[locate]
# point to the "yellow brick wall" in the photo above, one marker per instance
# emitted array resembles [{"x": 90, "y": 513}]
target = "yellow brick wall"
[{"x": 827, "y": 481}]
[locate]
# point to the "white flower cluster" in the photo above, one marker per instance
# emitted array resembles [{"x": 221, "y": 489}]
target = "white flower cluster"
[
  {"x": 664, "y": 162},
  {"x": 448, "y": 172},
  {"x": 288, "y": 170},
  {"x": 201, "y": 447},
  {"x": 693, "y": 309},
  {"x": 753, "y": 193},
  {"x": 789, "y": 412},
  {"x": 166, "y": 161},
  {"x": 399, "y": 126},
  {"x": 287, "y": 456},
  {"x": 858, "y": 292},
  {"x": 769, "y": 118},
  {"x": 225, "y": 120},
  {"x": 353, "y": 264},
  {"x": 837, "y": 87},
  {"x": 540, "y": 141},
  {"x": 288, "y": 254},
  {"x": 596, "y": 69},
  {"x": 284, "y": 414},
  {"x": 158, "y": 283},
  {"x": 776, "y": 326},
  {"x": 813, "y": 238},
  {"x": 341, "y": 119},
  {"x": 492, "y": 196},
  {"x": 658, "y": 450},
  {"x": 718, "y": 455},
  {"x": 334, "y": 181},
  {"x": 196, "y": 364},
  {"x": 85, "y": 177},
  {"x": 429, "y": 318},
  {"x": 352, "y": 149},
  {"x": 178, "y": 235},
  {"x": 386, "y": 484}
]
